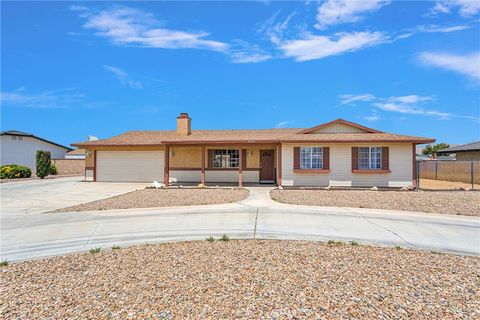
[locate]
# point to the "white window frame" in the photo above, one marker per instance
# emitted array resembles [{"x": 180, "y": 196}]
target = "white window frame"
[
  {"x": 311, "y": 158},
  {"x": 373, "y": 157},
  {"x": 226, "y": 158}
]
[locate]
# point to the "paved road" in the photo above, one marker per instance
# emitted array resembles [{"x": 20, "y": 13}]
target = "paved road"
[{"x": 35, "y": 235}]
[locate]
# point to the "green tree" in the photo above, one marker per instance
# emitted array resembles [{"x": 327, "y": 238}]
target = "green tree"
[
  {"x": 44, "y": 163},
  {"x": 432, "y": 149}
]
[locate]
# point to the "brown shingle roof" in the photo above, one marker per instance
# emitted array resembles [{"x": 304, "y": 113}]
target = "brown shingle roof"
[{"x": 158, "y": 137}]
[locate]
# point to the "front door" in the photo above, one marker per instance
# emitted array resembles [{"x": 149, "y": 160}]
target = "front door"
[{"x": 267, "y": 168}]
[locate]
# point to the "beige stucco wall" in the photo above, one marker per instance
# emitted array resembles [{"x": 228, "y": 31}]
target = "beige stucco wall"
[
  {"x": 468, "y": 156},
  {"x": 185, "y": 157},
  {"x": 401, "y": 166}
]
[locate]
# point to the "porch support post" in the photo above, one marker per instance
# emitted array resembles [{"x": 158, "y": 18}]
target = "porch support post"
[
  {"x": 279, "y": 165},
  {"x": 414, "y": 167},
  {"x": 166, "y": 168},
  {"x": 202, "y": 173},
  {"x": 240, "y": 165}
]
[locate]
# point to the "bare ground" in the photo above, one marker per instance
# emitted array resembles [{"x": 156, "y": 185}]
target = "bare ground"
[
  {"x": 150, "y": 198},
  {"x": 445, "y": 185},
  {"x": 244, "y": 279},
  {"x": 445, "y": 202}
]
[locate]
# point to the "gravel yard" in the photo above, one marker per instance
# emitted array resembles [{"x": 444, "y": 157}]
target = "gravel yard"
[
  {"x": 150, "y": 198},
  {"x": 243, "y": 279},
  {"x": 446, "y": 202}
]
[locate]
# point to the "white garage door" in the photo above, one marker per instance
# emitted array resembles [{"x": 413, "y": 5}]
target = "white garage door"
[{"x": 132, "y": 166}]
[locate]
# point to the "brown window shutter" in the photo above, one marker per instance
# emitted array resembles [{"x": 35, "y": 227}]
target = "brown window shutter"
[
  {"x": 354, "y": 158},
  {"x": 326, "y": 158},
  {"x": 385, "y": 158},
  {"x": 210, "y": 158},
  {"x": 244, "y": 159},
  {"x": 296, "y": 157}
]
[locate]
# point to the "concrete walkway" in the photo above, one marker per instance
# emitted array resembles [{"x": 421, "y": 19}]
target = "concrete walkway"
[{"x": 38, "y": 235}]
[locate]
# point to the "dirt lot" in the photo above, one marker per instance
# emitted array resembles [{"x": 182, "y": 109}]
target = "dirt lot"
[
  {"x": 446, "y": 202},
  {"x": 244, "y": 279},
  {"x": 150, "y": 198},
  {"x": 444, "y": 185}
]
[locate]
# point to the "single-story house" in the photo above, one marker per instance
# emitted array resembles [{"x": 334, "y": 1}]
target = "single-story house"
[
  {"x": 337, "y": 153},
  {"x": 20, "y": 148},
  {"x": 464, "y": 152}
]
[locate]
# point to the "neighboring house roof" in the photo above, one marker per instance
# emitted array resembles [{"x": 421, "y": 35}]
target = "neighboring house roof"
[
  {"x": 26, "y": 134},
  {"x": 159, "y": 137},
  {"x": 474, "y": 146},
  {"x": 76, "y": 152}
]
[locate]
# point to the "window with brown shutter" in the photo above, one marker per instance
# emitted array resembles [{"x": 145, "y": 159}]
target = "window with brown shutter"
[
  {"x": 385, "y": 158},
  {"x": 354, "y": 158},
  {"x": 296, "y": 158},
  {"x": 370, "y": 160},
  {"x": 326, "y": 158}
]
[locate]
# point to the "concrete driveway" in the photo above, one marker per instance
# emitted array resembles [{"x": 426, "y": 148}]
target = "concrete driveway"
[
  {"x": 38, "y": 196},
  {"x": 35, "y": 235}
]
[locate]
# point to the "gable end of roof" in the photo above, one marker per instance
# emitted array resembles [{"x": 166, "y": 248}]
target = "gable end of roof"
[{"x": 342, "y": 121}]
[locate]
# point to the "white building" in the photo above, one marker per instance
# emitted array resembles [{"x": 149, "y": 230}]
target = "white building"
[{"x": 20, "y": 148}]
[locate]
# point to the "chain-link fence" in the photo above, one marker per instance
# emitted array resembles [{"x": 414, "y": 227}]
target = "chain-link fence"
[{"x": 448, "y": 175}]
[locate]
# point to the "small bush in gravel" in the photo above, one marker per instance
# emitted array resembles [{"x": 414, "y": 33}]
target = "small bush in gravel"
[
  {"x": 4, "y": 263},
  {"x": 94, "y": 250},
  {"x": 225, "y": 238},
  {"x": 354, "y": 243},
  {"x": 210, "y": 239},
  {"x": 115, "y": 247},
  {"x": 334, "y": 243},
  {"x": 398, "y": 247}
]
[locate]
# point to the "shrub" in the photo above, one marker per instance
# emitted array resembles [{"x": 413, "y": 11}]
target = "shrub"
[
  {"x": 354, "y": 243},
  {"x": 210, "y": 239},
  {"x": 53, "y": 169},
  {"x": 115, "y": 247},
  {"x": 4, "y": 263},
  {"x": 13, "y": 171},
  {"x": 225, "y": 238},
  {"x": 94, "y": 250},
  {"x": 43, "y": 163},
  {"x": 334, "y": 243}
]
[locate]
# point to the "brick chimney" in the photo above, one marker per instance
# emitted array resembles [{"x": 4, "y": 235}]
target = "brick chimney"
[{"x": 184, "y": 124}]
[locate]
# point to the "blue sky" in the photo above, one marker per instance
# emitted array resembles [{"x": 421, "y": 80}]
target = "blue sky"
[{"x": 72, "y": 69}]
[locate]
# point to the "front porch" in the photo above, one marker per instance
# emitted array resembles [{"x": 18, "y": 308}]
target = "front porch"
[{"x": 222, "y": 164}]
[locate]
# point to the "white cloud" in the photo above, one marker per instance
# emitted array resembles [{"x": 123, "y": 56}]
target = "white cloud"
[
  {"x": 249, "y": 57},
  {"x": 410, "y": 99},
  {"x": 468, "y": 65},
  {"x": 126, "y": 26},
  {"x": 466, "y": 8},
  {"x": 372, "y": 118},
  {"x": 316, "y": 47},
  {"x": 349, "y": 98},
  {"x": 408, "y": 104},
  {"x": 282, "y": 124},
  {"x": 333, "y": 12},
  {"x": 43, "y": 100},
  {"x": 248, "y": 53},
  {"x": 407, "y": 109},
  {"x": 443, "y": 29},
  {"x": 122, "y": 76}
]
